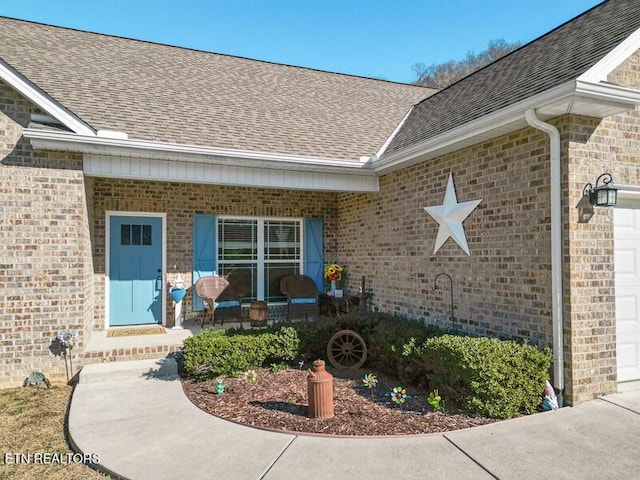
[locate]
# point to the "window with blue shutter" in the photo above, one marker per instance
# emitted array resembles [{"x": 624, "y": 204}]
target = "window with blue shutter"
[{"x": 266, "y": 248}]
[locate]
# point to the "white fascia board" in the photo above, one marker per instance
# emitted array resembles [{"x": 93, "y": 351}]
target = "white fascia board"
[
  {"x": 44, "y": 101},
  {"x": 600, "y": 71},
  {"x": 560, "y": 98},
  {"x": 471, "y": 129},
  {"x": 43, "y": 139},
  {"x": 394, "y": 133},
  {"x": 608, "y": 94}
]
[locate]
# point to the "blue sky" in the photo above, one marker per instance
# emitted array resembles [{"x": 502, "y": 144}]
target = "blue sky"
[{"x": 373, "y": 38}]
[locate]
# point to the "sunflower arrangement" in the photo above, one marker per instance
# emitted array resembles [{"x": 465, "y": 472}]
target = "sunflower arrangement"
[{"x": 333, "y": 272}]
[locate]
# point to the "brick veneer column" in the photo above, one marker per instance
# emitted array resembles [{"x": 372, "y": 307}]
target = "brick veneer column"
[{"x": 45, "y": 254}]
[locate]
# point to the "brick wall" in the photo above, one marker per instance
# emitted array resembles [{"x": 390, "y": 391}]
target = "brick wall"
[
  {"x": 180, "y": 202},
  {"x": 593, "y": 147},
  {"x": 588, "y": 286},
  {"x": 51, "y": 217},
  {"x": 503, "y": 288},
  {"x": 45, "y": 264}
]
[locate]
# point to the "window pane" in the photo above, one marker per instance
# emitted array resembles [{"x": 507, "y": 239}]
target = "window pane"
[
  {"x": 273, "y": 273},
  {"x": 251, "y": 269},
  {"x": 146, "y": 234},
  {"x": 282, "y": 240},
  {"x": 125, "y": 234},
  {"x": 278, "y": 255},
  {"x": 135, "y": 235},
  {"x": 237, "y": 240}
]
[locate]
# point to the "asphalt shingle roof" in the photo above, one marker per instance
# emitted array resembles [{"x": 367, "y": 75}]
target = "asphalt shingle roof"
[
  {"x": 170, "y": 94},
  {"x": 555, "y": 58}
]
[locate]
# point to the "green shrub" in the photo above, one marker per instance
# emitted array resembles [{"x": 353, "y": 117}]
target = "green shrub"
[
  {"x": 314, "y": 336},
  {"x": 279, "y": 367},
  {"x": 489, "y": 377},
  {"x": 214, "y": 353},
  {"x": 384, "y": 334}
]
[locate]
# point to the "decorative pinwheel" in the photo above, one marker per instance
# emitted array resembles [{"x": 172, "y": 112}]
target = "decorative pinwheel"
[
  {"x": 370, "y": 381},
  {"x": 250, "y": 376},
  {"x": 68, "y": 339},
  {"x": 399, "y": 395}
]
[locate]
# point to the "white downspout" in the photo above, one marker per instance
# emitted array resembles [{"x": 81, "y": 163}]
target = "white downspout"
[{"x": 556, "y": 248}]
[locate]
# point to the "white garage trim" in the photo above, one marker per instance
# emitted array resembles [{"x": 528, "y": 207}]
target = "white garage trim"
[{"x": 627, "y": 278}]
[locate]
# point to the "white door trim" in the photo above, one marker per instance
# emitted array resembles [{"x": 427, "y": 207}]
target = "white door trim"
[{"x": 107, "y": 248}]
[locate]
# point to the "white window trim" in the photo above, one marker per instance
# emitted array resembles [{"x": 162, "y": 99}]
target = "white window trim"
[{"x": 260, "y": 239}]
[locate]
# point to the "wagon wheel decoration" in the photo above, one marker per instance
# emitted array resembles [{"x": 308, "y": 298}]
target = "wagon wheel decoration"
[{"x": 346, "y": 349}]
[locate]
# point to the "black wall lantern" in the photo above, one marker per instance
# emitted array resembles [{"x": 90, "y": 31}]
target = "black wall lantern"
[{"x": 604, "y": 195}]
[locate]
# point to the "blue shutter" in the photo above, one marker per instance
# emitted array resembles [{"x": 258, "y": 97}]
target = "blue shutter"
[
  {"x": 204, "y": 252},
  {"x": 313, "y": 251}
]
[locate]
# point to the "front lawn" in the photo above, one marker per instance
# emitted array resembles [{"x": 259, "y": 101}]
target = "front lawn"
[{"x": 34, "y": 443}]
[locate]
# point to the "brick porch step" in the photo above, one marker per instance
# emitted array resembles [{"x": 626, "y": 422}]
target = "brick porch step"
[{"x": 102, "y": 349}]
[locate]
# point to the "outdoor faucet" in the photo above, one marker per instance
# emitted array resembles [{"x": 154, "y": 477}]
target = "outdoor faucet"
[{"x": 435, "y": 287}]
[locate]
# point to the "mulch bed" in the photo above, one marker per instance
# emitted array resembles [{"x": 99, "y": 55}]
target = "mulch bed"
[{"x": 278, "y": 401}]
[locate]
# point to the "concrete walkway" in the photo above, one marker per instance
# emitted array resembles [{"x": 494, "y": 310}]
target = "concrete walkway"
[{"x": 135, "y": 416}]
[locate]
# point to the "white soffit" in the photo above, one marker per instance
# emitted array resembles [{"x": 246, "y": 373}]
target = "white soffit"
[
  {"x": 42, "y": 100},
  {"x": 230, "y": 174}
]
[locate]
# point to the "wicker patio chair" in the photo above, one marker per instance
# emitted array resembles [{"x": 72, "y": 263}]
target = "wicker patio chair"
[
  {"x": 209, "y": 289},
  {"x": 229, "y": 303},
  {"x": 302, "y": 295}
]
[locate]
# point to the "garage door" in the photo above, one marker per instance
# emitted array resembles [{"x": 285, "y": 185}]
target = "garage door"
[{"x": 627, "y": 275}]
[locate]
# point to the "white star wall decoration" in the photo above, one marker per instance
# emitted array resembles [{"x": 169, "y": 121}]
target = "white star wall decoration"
[{"x": 450, "y": 216}]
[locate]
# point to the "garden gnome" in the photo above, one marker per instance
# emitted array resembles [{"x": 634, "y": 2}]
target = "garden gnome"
[{"x": 550, "y": 401}]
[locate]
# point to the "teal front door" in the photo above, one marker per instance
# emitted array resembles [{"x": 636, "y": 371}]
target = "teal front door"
[{"x": 135, "y": 270}]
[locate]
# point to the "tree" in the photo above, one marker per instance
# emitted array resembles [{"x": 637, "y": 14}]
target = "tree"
[{"x": 444, "y": 74}]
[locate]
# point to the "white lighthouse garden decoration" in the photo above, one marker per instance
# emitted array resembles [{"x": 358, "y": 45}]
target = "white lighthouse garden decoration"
[{"x": 177, "y": 292}]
